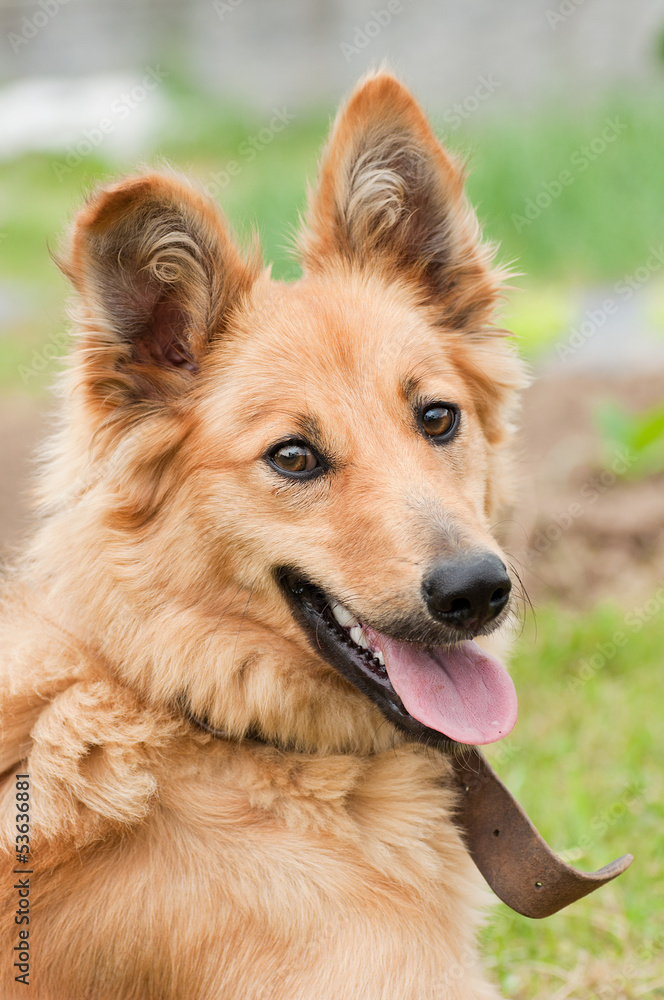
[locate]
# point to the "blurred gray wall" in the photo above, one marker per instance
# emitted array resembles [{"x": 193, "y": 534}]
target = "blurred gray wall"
[{"x": 301, "y": 51}]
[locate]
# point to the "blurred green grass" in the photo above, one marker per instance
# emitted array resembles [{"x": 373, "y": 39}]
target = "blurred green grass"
[
  {"x": 602, "y": 223},
  {"x": 598, "y": 229},
  {"x": 585, "y": 762}
]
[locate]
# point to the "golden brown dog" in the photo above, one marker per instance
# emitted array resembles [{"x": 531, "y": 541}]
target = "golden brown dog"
[{"x": 241, "y": 641}]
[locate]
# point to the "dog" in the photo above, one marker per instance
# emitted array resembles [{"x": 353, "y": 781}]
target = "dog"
[{"x": 257, "y": 613}]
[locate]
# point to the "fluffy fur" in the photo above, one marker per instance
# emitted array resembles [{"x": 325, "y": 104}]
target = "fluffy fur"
[{"x": 323, "y": 862}]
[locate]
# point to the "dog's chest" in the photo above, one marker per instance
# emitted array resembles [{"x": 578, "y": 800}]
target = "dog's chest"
[
  {"x": 312, "y": 878},
  {"x": 327, "y": 872}
]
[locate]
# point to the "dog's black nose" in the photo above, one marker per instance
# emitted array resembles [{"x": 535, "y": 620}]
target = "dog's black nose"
[{"x": 467, "y": 592}]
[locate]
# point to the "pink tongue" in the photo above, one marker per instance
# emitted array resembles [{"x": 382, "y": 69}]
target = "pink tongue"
[{"x": 458, "y": 690}]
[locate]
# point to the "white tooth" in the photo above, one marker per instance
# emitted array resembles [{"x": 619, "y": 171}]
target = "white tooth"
[
  {"x": 342, "y": 616},
  {"x": 358, "y": 636},
  {"x": 379, "y": 656}
]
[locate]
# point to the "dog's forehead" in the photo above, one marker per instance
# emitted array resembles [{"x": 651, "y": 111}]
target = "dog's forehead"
[
  {"x": 351, "y": 319},
  {"x": 346, "y": 329}
]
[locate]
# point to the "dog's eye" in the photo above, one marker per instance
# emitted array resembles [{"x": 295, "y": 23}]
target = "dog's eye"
[
  {"x": 295, "y": 458},
  {"x": 439, "y": 420}
]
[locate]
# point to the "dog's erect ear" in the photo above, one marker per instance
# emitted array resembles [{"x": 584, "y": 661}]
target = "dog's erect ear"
[
  {"x": 390, "y": 197},
  {"x": 157, "y": 277}
]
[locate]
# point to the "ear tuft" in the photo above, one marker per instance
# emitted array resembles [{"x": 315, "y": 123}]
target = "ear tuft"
[
  {"x": 157, "y": 277},
  {"x": 389, "y": 196}
]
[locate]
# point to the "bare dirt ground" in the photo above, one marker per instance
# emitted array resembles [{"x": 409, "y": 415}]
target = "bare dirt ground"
[
  {"x": 582, "y": 532},
  {"x": 579, "y": 533}
]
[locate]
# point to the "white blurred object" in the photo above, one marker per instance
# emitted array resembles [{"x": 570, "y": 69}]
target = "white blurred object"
[{"x": 116, "y": 115}]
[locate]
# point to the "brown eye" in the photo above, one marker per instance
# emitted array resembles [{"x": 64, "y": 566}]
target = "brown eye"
[
  {"x": 439, "y": 420},
  {"x": 295, "y": 458}
]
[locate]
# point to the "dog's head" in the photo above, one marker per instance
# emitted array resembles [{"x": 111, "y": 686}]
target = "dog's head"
[{"x": 265, "y": 491}]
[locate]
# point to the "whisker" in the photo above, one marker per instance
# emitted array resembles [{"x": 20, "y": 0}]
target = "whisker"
[{"x": 523, "y": 597}]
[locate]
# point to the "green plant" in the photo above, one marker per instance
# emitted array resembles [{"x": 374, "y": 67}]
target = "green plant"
[{"x": 639, "y": 436}]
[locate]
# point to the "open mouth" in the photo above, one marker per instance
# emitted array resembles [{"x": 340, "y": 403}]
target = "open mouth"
[{"x": 439, "y": 695}]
